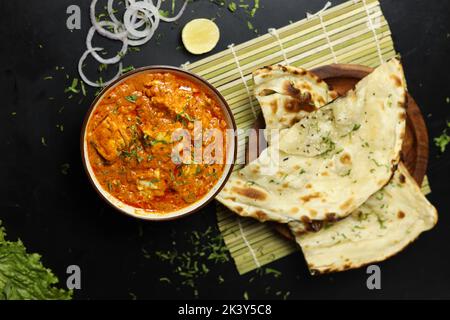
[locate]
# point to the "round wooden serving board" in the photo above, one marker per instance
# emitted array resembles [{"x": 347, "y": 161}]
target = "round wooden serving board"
[{"x": 342, "y": 78}]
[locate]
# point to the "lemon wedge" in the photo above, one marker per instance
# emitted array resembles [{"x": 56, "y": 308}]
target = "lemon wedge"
[{"x": 200, "y": 36}]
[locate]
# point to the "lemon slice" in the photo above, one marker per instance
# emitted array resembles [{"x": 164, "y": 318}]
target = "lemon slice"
[{"x": 200, "y": 36}]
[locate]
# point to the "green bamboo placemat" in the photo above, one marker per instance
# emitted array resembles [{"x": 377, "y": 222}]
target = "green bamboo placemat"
[{"x": 353, "y": 32}]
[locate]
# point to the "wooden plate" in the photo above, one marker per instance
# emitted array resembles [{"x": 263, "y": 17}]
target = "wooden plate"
[{"x": 343, "y": 77}]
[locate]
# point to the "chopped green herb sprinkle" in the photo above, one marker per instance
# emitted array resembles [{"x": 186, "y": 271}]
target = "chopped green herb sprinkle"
[
  {"x": 132, "y": 98},
  {"x": 232, "y": 6}
]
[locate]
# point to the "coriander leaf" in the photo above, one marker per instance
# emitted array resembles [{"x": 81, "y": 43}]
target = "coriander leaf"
[
  {"x": 132, "y": 98},
  {"x": 232, "y": 6}
]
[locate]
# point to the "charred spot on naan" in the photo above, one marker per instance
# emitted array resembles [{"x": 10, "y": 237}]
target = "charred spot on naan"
[
  {"x": 261, "y": 215},
  {"x": 289, "y": 89},
  {"x": 346, "y": 158},
  {"x": 296, "y": 105},
  {"x": 311, "y": 196},
  {"x": 347, "y": 204},
  {"x": 250, "y": 193},
  {"x": 397, "y": 81},
  {"x": 401, "y": 214}
]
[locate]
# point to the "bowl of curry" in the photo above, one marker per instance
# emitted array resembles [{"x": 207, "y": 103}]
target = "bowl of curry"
[{"x": 159, "y": 143}]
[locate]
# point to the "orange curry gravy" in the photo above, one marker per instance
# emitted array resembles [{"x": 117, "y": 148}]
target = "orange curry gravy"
[{"x": 129, "y": 138}]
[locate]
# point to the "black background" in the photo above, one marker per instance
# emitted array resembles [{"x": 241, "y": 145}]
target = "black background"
[{"x": 61, "y": 217}]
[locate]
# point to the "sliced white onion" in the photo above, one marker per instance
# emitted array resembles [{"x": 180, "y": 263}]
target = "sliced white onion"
[
  {"x": 83, "y": 76},
  {"x": 175, "y": 18},
  {"x": 99, "y": 58},
  {"x": 151, "y": 15},
  {"x": 137, "y": 14},
  {"x": 152, "y": 19},
  {"x": 111, "y": 14},
  {"x": 106, "y": 33}
]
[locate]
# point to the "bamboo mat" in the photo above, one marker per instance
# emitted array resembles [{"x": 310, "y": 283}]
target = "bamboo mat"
[{"x": 353, "y": 32}]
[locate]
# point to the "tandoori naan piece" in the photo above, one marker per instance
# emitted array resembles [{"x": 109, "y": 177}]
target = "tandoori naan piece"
[
  {"x": 286, "y": 94},
  {"x": 331, "y": 161},
  {"x": 385, "y": 224}
]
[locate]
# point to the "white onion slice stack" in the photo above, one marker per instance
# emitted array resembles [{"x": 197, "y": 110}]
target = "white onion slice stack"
[{"x": 129, "y": 30}]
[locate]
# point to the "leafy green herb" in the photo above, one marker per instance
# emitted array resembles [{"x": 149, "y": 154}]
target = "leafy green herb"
[
  {"x": 22, "y": 275},
  {"x": 132, "y": 98},
  {"x": 73, "y": 86},
  {"x": 443, "y": 140},
  {"x": 356, "y": 127},
  {"x": 256, "y": 7},
  {"x": 381, "y": 222},
  {"x": 250, "y": 25},
  {"x": 127, "y": 69},
  {"x": 83, "y": 88},
  {"x": 232, "y": 6},
  {"x": 102, "y": 67},
  {"x": 246, "y": 295},
  {"x": 189, "y": 266},
  {"x": 156, "y": 141}
]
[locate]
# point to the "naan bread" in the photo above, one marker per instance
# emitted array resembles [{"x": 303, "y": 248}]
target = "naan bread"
[
  {"x": 330, "y": 162},
  {"x": 286, "y": 94},
  {"x": 386, "y": 223}
]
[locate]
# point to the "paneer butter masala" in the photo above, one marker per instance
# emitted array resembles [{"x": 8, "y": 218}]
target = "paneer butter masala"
[{"x": 130, "y": 141}]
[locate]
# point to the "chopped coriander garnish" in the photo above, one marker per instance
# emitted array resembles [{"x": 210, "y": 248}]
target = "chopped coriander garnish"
[
  {"x": 443, "y": 140},
  {"x": 73, "y": 86},
  {"x": 232, "y": 6},
  {"x": 102, "y": 67},
  {"x": 164, "y": 13},
  {"x": 132, "y": 98},
  {"x": 127, "y": 69},
  {"x": 83, "y": 88}
]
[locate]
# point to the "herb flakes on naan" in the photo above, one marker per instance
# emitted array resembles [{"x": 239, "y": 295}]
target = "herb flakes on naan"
[
  {"x": 385, "y": 224},
  {"x": 331, "y": 161}
]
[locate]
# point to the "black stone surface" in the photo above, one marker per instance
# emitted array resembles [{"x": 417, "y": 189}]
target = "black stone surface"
[{"x": 61, "y": 217}]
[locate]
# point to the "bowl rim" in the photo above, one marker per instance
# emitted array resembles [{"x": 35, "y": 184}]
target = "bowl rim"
[{"x": 163, "y": 68}]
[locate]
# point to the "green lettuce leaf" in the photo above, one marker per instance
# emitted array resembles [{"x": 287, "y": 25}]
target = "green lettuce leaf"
[{"x": 22, "y": 275}]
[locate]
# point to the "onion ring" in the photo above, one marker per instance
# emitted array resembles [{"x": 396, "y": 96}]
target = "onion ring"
[
  {"x": 102, "y": 31},
  {"x": 96, "y": 56},
  {"x": 175, "y": 18},
  {"x": 83, "y": 76}
]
